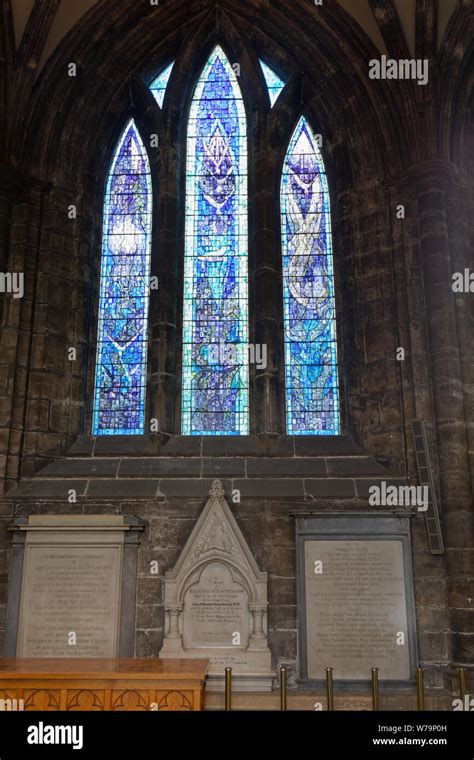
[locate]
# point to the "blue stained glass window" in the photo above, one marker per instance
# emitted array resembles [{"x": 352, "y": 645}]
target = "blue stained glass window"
[
  {"x": 312, "y": 394},
  {"x": 215, "y": 327},
  {"x": 120, "y": 380},
  {"x": 274, "y": 84},
  {"x": 159, "y": 85}
]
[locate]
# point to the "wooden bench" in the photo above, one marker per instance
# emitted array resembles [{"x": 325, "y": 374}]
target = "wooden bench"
[{"x": 98, "y": 684}]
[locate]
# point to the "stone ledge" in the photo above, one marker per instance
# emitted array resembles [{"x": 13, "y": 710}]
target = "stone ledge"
[
  {"x": 210, "y": 446},
  {"x": 91, "y": 468},
  {"x": 157, "y": 487}
]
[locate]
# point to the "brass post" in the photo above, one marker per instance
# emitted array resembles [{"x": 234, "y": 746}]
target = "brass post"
[
  {"x": 420, "y": 689},
  {"x": 462, "y": 686},
  {"x": 228, "y": 688},
  {"x": 375, "y": 689},
  {"x": 283, "y": 689},
  {"x": 329, "y": 689}
]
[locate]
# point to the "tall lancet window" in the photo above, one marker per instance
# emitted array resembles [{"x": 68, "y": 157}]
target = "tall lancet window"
[
  {"x": 120, "y": 380},
  {"x": 215, "y": 327},
  {"x": 312, "y": 394}
]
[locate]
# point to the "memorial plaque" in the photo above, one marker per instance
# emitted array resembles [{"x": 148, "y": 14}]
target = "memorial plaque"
[
  {"x": 214, "y": 609},
  {"x": 357, "y": 605},
  {"x": 72, "y": 590},
  {"x": 216, "y": 601},
  {"x": 71, "y": 593}
]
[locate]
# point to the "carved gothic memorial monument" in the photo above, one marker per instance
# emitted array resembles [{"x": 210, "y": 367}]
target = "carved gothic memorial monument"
[{"x": 216, "y": 601}]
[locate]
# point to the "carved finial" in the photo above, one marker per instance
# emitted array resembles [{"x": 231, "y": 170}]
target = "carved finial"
[{"x": 216, "y": 489}]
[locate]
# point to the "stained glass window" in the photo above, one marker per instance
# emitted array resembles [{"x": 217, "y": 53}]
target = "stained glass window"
[
  {"x": 159, "y": 85},
  {"x": 274, "y": 84},
  {"x": 215, "y": 328},
  {"x": 312, "y": 395},
  {"x": 120, "y": 380}
]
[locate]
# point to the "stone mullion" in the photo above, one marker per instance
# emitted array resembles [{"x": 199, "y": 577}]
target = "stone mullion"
[
  {"x": 164, "y": 391},
  {"x": 432, "y": 182},
  {"x": 266, "y": 301}
]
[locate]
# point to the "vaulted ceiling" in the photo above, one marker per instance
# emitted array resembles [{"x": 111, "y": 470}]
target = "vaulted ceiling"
[{"x": 367, "y": 13}]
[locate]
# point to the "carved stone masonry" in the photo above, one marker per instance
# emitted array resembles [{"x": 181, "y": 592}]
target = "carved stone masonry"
[{"x": 216, "y": 601}]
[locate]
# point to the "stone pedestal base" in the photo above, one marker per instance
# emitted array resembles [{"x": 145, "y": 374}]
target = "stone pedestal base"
[{"x": 251, "y": 671}]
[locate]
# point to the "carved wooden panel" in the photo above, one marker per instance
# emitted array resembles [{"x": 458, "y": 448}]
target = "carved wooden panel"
[
  {"x": 42, "y": 699},
  {"x": 8, "y": 694},
  {"x": 130, "y": 699},
  {"x": 85, "y": 699},
  {"x": 99, "y": 685},
  {"x": 10, "y": 700},
  {"x": 175, "y": 700}
]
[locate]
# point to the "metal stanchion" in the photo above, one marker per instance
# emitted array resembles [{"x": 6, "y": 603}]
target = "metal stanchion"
[
  {"x": 375, "y": 689},
  {"x": 462, "y": 686},
  {"x": 228, "y": 688},
  {"x": 420, "y": 689},
  {"x": 283, "y": 689},
  {"x": 330, "y": 689}
]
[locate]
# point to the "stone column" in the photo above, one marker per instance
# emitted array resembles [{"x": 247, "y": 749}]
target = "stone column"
[
  {"x": 165, "y": 393},
  {"x": 266, "y": 304},
  {"x": 258, "y": 634},
  {"x": 173, "y": 612},
  {"x": 431, "y": 182}
]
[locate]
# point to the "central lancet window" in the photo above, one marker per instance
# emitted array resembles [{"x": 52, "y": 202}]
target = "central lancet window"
[{"x": 215, "y": 392}]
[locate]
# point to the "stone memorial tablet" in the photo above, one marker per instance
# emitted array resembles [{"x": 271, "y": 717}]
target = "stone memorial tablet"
[
  {"x": 70, "y": 592},
  {"x": 71, "y": 602},
  {"x": 216, "y": 601},
  {"x": 214, "y": 608},
  {"x": 356, "y": 608}
]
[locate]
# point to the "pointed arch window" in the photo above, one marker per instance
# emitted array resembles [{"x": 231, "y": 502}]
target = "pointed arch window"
[
  {"x": 215, "y": 393},
  {"x": 121, "y": 364},
  {"x": 312, "y": 395}
]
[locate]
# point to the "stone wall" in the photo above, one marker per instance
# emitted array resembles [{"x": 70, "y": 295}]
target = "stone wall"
[{"x": 168, "y": 486}]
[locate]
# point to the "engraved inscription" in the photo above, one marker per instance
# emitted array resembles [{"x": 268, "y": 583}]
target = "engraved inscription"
[
  {"x": 71, "y": 590},
  {"x": 356, "y": 615},
  {"x": 215, "y": 608}
]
